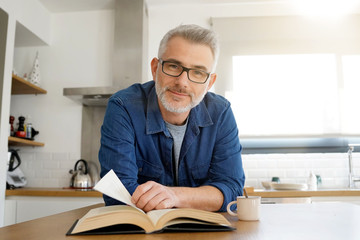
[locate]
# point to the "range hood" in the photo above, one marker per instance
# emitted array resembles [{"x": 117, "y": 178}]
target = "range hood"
[{"x": 130, "y": 54}]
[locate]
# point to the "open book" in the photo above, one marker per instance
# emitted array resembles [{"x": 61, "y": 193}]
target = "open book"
[{"x": 130, "y": 219}]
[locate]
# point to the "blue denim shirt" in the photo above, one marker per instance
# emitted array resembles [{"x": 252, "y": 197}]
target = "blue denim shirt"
[{"x": 136, "y": 144}]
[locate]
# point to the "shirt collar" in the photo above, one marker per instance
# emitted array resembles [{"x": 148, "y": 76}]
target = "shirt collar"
[{"x": 199, "y": 116}]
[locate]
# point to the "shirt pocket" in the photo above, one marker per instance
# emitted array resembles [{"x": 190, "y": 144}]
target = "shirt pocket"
[
  {"x": 200, "y": 174},
  {"x": 148, "y": 172}
]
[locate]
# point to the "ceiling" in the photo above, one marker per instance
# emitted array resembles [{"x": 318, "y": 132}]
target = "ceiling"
[{"x": 56, "y": 6}]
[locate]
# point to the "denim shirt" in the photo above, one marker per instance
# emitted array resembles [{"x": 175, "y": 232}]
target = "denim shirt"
[{"x": 136, "y": 144}]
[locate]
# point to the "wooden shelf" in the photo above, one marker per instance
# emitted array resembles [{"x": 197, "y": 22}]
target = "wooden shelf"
[
  {"x": 21, "y": 86},
  {"x": 14, "y": 141}
]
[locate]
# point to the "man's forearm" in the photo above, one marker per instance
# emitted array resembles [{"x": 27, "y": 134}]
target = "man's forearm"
[{"x": 205, "y": 197}]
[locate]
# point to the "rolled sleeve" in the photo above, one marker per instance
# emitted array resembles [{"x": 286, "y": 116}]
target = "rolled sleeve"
[{"x": 226, "y": 170}]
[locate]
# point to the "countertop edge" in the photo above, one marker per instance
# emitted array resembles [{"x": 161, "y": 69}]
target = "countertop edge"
[
  {"x": 67, "y": 192},
  {"x": 305, "y": 193},
  {"x": 51, "y": 192}
]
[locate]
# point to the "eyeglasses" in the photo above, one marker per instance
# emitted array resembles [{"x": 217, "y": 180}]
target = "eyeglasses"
[{"x": 174, "y": 70}]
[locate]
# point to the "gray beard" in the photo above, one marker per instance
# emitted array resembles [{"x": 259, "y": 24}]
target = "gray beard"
[{"x": 169, "y": 107}]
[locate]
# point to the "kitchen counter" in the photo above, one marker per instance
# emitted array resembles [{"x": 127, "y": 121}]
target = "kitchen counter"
[
  {"x": 305, "y": 193},
  {"x": 52, "y": 192},
  {"x": 67, "y": 192},
  {"x": 328, "y": 221}
]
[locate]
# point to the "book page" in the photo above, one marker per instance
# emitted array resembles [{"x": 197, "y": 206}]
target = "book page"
[
  {"x": 166, "y": 217},
  {"x": 112, "y": 186},
  {"x": 155, "y": 215},
  {"x": 98, "y": 218}
]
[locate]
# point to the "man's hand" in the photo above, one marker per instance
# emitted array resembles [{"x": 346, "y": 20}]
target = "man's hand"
[{"x": 152, "y": 195}]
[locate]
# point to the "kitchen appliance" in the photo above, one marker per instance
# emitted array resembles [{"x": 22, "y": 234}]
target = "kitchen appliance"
[
  {"x": 15, "y": 177},
  {"x": 81, "y": 178},
  {"x": 130, "y": 61}
]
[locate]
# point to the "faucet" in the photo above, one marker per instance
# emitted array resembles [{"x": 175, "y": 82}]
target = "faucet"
[{"x": 352, "y": 178}]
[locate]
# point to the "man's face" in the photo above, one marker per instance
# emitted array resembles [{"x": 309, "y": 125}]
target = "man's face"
[{"x": 179, "y": 94}]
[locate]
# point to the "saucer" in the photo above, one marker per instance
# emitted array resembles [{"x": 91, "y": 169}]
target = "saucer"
[{"x": 288, "y": 186}]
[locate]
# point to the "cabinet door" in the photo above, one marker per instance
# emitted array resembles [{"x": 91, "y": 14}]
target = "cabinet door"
[
  {"x": 35, "y": 207},
  {"x": 349, "y": 199},
  {"x": 10, "y": 212}
]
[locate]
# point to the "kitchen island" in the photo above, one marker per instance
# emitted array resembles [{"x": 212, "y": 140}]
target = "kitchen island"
[{"x": 280, "y": 221}]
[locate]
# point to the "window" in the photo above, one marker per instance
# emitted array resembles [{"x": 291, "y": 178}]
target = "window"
[
  {"x": 285, "y": 95},
  {"x": 351, "y": 95},
  {"x": 293, "y": 82}
]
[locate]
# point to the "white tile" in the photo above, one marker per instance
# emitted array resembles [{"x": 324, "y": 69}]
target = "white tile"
[
  {"x": 341, "y": 182},
  {"x": 60, "y": 156},
  {"x": 297, "y": 173},
  {"x": 281, "y": 173},
  {"x": 256, "y": 173},
  {"x": 44, "y": 156},
  {"x": 51, "y": 169},
  {"x": 60, "y": 173},
  {"x": 51, "y": 164},
  {"x": 34, "y": 182},
  {"x": 51, "y": 183},
  {"x": 267, "y": 164},
  {"x": 29, "y": 173},
  {"x": 34, "y": 164},
  {"x": 251, "y": 183},
  {"x": 319, "y": 163},
  {"x": 250, "y": 163},
  {"x": 286, "y": 163},
  {"x": 26, "y": 156},
  {"x": 302, "y": 163},
  {"x": 63, "y": 182},
  {"x": 43, "y": 174},
  {"x": 288, "y": 180},
  {"x": 74, "y": 156}
]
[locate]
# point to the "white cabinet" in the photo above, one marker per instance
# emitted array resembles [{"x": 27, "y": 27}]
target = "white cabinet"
[
  {"x": 10, "y": 212},
  {"x": 349, "y": 199},
  {"x": 23, "y": 208}
]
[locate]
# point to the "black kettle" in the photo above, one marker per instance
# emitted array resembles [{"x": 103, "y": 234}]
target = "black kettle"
[
  {"x": 80, "y": 176},
  {"x": 14, "y": 161}
]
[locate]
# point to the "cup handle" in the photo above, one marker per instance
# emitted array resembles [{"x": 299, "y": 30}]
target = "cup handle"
[{"x": 229, "y": 210}]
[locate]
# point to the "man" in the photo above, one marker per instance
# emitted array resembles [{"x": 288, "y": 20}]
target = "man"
[{"x": 171, "y": 142}]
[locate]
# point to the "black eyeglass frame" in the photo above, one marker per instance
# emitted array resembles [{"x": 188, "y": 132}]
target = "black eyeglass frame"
[{"x": 184, "y": 69}]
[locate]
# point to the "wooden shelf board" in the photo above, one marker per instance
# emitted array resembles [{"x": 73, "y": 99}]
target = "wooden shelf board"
[
  {"x": 21, "y": 86},
  {"x": 14, "y": 141}
]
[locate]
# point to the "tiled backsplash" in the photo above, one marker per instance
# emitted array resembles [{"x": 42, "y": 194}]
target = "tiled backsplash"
[
  {"x": 295, "y": 168},
  {"x": 52, "y": 169},
  {"x": 47, "y": 169}
]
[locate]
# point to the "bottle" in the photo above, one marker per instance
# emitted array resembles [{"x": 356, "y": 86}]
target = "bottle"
[
  {"x": 312, "y": 182},
  {"x": 28, "y": 130}
]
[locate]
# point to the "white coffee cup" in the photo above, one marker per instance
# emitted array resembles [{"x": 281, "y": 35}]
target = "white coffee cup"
[{"x": 248, "y": 209}]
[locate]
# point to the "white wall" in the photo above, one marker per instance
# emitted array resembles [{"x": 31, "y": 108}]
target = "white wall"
[
  {"x": 31, "y": 14},
  {"x": 79, "y": 56},
  {"x": 38, "y": 24}
]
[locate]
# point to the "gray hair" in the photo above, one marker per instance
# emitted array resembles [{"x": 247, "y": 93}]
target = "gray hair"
[{"x": 194, "y": 34}]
